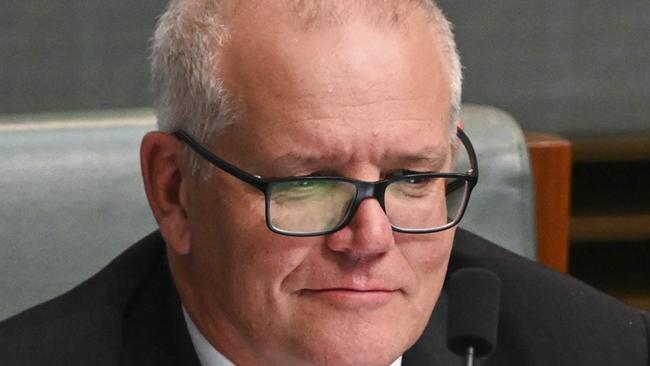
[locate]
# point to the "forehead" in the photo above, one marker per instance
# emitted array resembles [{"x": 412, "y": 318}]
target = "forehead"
[
  {"x": 350, "y": 81},
  {"x": 271, "y": 53}
]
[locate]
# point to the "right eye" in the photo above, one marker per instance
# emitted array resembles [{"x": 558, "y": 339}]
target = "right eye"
[
  {"x": 302, "y": 190},
  {"x": 402, "y": 172},
  {"x": 417, "y": 180},
  {"x": 302, "y": 184},
  {"x": 415, "y": 187}
]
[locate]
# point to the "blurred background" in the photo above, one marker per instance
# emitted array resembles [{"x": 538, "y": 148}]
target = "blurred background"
[
  {"x": 576, "y": 68},
  {"x": 580, "y": 69}
]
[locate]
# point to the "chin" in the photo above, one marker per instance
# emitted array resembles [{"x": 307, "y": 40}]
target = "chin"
[
  {"x": 355, "y": 340},
  {"x": 343, "y": 352}
]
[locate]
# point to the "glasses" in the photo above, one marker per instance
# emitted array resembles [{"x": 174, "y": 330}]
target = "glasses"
[{"x": 314, "y": 205}]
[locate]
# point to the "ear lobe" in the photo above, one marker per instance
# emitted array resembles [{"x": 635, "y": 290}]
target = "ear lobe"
[{"x": 163, "y": 171}]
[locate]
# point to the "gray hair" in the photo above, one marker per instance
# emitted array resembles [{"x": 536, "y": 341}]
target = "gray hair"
[{"x": 189, "y": 92}]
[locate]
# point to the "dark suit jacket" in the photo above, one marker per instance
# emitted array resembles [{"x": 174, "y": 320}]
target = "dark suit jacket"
[{"x": 130, "y": 314}]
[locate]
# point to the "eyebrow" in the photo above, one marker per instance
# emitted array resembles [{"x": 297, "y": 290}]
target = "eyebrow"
[
  {"x": 433, "y": 161},
  {"x": 434, "y": 157},
  {"x": 293, "y": 161},
  {"x": 431, "y": 157}
]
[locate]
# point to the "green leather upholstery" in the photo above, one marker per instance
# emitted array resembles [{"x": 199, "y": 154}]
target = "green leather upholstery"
[
  {"x": 72, "y": 199},
  {"x": 502, "y": 206}
]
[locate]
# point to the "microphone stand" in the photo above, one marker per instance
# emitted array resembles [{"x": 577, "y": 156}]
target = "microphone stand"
[
  {"x": 469, "y": 356},
  {"x": 473, "y": 317}
]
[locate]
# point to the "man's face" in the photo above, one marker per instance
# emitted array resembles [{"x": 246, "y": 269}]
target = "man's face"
[{"x": 356, "y": 101}]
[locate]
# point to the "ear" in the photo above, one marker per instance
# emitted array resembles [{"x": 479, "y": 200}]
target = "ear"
[{"x": 165, "y": 173}]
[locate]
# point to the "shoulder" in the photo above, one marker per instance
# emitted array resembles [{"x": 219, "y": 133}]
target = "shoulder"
[
  {"x": 83, "y": 324},
  {"x": 552, "y": 315}
]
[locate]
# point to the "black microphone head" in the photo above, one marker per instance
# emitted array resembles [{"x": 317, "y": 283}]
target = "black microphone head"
[{"x": 473, "y": 311}]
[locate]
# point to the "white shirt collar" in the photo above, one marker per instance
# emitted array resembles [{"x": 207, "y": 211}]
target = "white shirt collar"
[{"x": 209, "y": 356}]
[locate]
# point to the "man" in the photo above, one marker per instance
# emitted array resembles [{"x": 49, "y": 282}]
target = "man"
[{"x": 300, "y": 183}]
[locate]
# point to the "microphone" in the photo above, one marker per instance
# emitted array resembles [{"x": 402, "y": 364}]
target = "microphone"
[{"x": 473, "y": 313}]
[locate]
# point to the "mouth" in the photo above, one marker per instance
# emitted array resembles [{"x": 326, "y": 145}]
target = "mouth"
[{"x": 351, "y": 298}]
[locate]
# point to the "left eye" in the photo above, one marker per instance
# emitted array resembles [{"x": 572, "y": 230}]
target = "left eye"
[
  {"x": 418, "y": 180},
  {"x": 403, "y": 172},
  {"x": 303, "y": 183}
]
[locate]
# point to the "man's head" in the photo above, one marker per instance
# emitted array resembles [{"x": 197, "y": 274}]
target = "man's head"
[{"x": 366, "y": 90}]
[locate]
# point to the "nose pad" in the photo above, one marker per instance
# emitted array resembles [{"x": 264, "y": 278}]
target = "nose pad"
[{"x": 368, "y": 233}]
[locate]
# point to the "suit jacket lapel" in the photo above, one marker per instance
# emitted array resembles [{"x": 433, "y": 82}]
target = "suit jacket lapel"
[{"x": 154, "y": 330}]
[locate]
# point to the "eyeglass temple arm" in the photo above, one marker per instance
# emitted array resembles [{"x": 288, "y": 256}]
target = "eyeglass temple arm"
[
  {"x": 253, "y": 180},
  {"x": 473, "y": 161},
  {"x": 258, "y": 183}
]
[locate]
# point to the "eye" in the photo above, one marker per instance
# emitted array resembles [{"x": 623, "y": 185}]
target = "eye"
[
  {"x": 297, "y": 186},
  {"x": 402, "y": 172},
  {"x": 419, "y": 180},
  {"x": 303, "y": 188},
  {"x": 303, "y": 184}
]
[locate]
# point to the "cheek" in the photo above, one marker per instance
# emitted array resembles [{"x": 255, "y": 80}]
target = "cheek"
[
  {"x": 260, "y": 263},
  {"x": 428, "y": 257},
  {"x": 250, "y": 261},
  {"x": 224, "y": 218},
  {"x": 225, "y": 213},
  {"x": 240, "y": 263}
]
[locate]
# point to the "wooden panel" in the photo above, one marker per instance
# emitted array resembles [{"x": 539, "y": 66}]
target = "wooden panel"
[
  {"x": 611, "y": 227},
  {"x": 612, "y": 148},
  {"x": 551, "y": 163}
]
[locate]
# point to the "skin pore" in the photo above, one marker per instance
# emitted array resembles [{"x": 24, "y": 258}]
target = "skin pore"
[{"x": 357, "y": 100}]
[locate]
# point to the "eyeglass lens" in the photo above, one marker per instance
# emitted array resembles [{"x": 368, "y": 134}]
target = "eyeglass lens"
[{"x": 309, "y": 206}]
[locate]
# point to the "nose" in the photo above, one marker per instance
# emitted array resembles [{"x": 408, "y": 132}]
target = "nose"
[{"x": 369, "y": 233}]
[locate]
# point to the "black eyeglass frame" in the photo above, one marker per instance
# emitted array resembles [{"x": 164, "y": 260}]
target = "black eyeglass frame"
[{"x": 363, "y": 189}]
